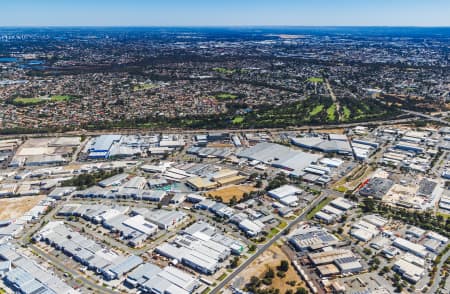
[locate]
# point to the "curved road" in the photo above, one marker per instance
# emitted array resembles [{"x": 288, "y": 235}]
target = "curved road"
[
  {"x": 301, "y": 217},
  {"x": 434, "y": 288}
]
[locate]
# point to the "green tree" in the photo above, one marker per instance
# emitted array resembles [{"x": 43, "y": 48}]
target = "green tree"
[{"x": 284, "y": 266}]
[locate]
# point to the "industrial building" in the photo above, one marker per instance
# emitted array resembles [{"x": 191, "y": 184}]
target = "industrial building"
[
  {"x": 280, "y": 156},
  {"x": 416, "y": 148},
  {"x": 409, "y": 246},
  {"x": 99, "y": 147},
  {"x": 410, "y": 267},
  {"x": 333, "y": 143},
  {"x": 376, "y": 187},
  {"x": 87, "y": 252},
  {"x": 286, "y": 195},
  {"x": 149, "y": 278},
  {"x": 336, "y": 261},
  {"x": 308, "y": 238},
  {"x": 200, "y": 247},
  {"x": 28, "y": 276}
]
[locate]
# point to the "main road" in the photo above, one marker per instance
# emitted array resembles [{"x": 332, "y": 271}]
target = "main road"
[
  {"x": 437, "y": 276},
  {"x": 427, "y": 116},
  {"x": 196, "y": 131},
  {"x": 263, "y": 248}
]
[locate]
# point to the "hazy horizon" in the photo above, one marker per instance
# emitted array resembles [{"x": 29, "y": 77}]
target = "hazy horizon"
[{"x": 231, "y": 13}]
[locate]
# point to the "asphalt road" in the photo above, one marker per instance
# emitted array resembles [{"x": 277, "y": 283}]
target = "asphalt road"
[
  {"x": 244, "y": 265},
  {"x": 434, "y": 288},
  {"x": 196, "y": 131},
  {"x": 427, "y": 116}
]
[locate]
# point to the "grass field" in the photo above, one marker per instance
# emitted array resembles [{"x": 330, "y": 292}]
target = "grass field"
[
  {"x": 238, "y": 119},
  {"x": 143, "y": 87},
  {"x": 224, "y": 70},
  {"x": 316, "y": 110},
  {"x": 272, "y": 232},
  {"x": 43, "y": 99},
  {"x": 226, "y": 96},
  {"x": 315, "y": 80},
  {"x": 347, "y": 113},
  {"x": 318, "y": 207},
  {"x": 227, "y": 193},
  {"x": 16, "y": 207},
  {"x": 331, "y": 112}
]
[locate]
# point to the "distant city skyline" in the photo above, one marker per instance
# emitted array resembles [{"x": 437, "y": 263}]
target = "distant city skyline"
[{"x": 225, "y": 13}]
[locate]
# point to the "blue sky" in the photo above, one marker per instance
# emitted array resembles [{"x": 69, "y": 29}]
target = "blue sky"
[{"x": 224, "y": 12}]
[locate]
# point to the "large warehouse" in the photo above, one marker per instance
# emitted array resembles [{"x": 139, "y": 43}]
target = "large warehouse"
[
  {"x": 280, "y": 156},
  {"x": 100, "y": 146}
]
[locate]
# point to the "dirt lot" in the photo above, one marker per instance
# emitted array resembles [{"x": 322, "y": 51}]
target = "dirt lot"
[
  {"x": 16, "y": 207},
  {"x": 332, "y": 131},
  {"x": 227, "y": 193},
  {"x": 271, "y": 258}
]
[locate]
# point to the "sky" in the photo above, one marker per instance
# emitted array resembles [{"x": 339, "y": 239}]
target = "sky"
[{"x": 224, "y": 12}]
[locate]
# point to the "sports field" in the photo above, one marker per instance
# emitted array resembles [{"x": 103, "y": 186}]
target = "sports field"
[
  {"x": 42, "y": 99},
  {"x": 315, "y": 80}
]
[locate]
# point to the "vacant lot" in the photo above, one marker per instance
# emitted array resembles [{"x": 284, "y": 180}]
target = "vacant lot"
[
  {"x": 16, "y": 207},
  {"x": 227, "y": 193},
  {"x": 271, "y": 258}
]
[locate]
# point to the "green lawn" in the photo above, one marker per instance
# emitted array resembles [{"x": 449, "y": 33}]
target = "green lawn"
[
  {"x": 316, "y": 110},
  {"x": 315, "y": 80},
  {"x": 273, "y": 232},
  {"x": 223, "y": 70},
  {"x": 282, "y": 225},
  {"x": 331, "y": 112},
  {"x": 226, "y": 96},
  {"x": 37, "y": 100},
  {"x": 318, "y": 207},
  {"x": 222, "y": 277},
  {"x": 347, "y": 113},
  {"x": 142, "y": 87},
  {"x": 238, "y": 120},
  {"x": 21, "y": 100}
]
